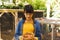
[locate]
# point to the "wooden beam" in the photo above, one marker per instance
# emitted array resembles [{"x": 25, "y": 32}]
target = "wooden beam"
[{"x": 16, "y": 10}]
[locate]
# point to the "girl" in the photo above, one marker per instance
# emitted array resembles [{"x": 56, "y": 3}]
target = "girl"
[{"x": 28, "y": 24}]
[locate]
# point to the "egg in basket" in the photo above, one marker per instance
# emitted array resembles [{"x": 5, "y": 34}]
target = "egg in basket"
[{"x": 28, "y": 36}]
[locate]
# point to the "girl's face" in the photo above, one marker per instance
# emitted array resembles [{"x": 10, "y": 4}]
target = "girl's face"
[{"x": 28, "y": 16}]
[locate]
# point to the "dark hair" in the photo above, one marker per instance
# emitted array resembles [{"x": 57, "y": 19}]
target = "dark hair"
[{"x": 28, "y": 9}]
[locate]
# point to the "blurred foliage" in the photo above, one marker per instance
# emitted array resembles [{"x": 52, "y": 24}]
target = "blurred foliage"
[
  {"x": 37, "y": 4},
  {"x": 11, "y": 6},
  {"x": 55, "y": 7}
]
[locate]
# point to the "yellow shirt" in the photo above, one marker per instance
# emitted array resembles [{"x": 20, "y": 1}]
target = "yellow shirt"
[{"x": 28, "y": 27}]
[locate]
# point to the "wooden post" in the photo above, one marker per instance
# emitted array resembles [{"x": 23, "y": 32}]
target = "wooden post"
[
  {"x": 16, "y": 19},
  {"x": 48, "y": 12},
  {"x": 52, "y": 36},
  {"x": 0, "y": 29}
]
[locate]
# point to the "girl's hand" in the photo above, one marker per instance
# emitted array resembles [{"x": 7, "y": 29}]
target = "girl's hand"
[{"x": 28, "y": 36}]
